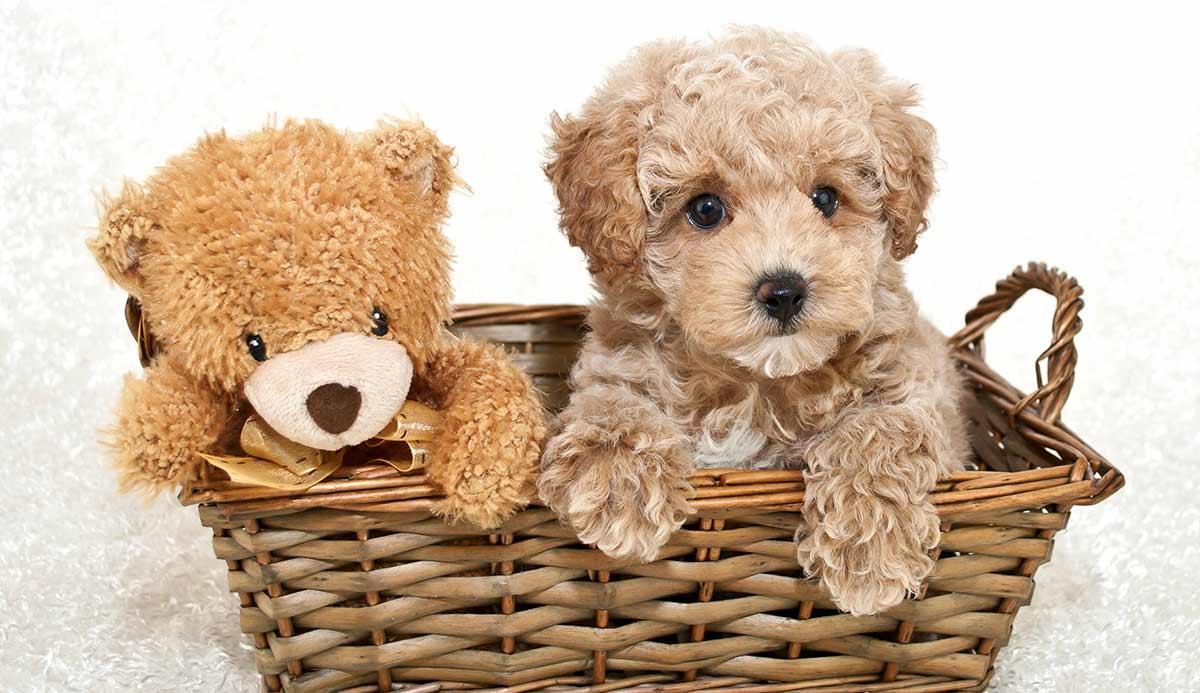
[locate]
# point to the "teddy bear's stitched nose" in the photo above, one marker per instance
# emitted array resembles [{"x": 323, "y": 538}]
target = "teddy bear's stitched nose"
[{"x": 334, "y": 407}]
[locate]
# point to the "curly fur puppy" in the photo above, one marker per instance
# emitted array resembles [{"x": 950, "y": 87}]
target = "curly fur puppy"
[{"x": 743, "y": 205}]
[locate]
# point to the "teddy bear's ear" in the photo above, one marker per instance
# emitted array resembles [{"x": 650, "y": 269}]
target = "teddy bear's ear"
[
  {"x": 126, "y": 225},
  {"x": 416, "y": 158},
  {"x": 908, "y": 144}
]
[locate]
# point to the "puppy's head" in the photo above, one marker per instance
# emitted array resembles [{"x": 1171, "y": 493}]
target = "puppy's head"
[{"x": 756, "y": 187}]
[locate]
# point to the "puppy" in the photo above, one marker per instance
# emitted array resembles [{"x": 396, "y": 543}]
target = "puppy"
[{"x": 744, "y": 205}]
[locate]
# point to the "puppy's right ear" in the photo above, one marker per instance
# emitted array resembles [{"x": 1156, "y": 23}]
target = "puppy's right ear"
[
  {"x": 908, "y": 147},
  {"x": 126, "y": 226},
  {"x": 593, "y": 169}
]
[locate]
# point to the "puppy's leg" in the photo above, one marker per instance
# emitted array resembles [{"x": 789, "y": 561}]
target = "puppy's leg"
[
  {"x": 617, "y": 472},
  {"x": 869, "y": 525}
]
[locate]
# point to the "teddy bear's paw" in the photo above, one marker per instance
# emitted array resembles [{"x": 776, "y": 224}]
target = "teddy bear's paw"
[
  {"x": 163, "y": 420},
  {"x": 487, "y": 472},
  {"x": 483, "y": 498},
  {"x": 483, "y": 515}
]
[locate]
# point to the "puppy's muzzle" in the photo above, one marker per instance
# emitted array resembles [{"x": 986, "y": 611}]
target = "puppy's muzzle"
[{"x": 782, "y": 296}]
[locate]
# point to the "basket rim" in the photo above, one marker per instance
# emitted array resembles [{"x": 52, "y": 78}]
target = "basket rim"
[
  {"x": 1086, "y": 480},
  {"x": 470, "y": 314}
]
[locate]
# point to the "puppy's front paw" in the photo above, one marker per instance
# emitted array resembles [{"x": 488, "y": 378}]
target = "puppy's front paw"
[
  {"x": 627, "y": 502},
  {"x": 868, "y": 552}
]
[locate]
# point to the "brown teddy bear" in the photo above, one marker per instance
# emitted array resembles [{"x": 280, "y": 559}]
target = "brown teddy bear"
[{"x": 302, "y": 270}]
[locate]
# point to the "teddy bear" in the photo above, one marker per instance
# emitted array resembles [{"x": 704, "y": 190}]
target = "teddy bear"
[{"x": 300, "y": 273}]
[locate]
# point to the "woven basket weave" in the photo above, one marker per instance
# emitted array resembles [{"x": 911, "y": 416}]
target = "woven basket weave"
[{"x": 354, "y": 585}]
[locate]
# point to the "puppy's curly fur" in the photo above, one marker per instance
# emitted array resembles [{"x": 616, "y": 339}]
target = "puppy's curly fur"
[{"x": 684, "y": 366}]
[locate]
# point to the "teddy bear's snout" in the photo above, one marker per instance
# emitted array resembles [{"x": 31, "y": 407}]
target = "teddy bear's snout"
[
  {"x": 334, "y": 407},
  {"x": 332, "y": 393}
]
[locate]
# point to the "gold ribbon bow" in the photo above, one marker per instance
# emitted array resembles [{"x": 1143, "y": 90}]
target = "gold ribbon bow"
[{"x": 276, "y": 462}]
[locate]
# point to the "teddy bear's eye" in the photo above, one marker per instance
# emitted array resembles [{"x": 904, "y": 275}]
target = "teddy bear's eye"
[
  {"x": 257, "y": 347},
  {"x": 381, "y": 326}
]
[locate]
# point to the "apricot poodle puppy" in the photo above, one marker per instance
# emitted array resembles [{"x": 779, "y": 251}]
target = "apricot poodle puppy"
[{"x": 744, "y": 205}]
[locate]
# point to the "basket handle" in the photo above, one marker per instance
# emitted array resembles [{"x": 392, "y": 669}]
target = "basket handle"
[{"x": 1060, "y": 358}]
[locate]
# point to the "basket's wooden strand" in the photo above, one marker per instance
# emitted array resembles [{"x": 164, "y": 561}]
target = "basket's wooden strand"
[
  {"x": 508, "y": 603},
  {"x": 600, "y": 657},
  {"x": 507, "y": 314},
  {"x": 705, "y": 589},
  {"x": 283, "y": 626},
  {"x": 804, "y": 613},
  {"x": 906, "y": 628},
  {"x": 1027, "y": 568},
  {"x": 272, "y": 681},
  {"x": 383, "y": 677},
  {"x": 1052, "y": 390}
]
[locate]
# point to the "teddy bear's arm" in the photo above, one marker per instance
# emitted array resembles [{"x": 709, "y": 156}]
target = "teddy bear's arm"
[
  {"x": 163, "y": 420},
  {"x": 486, "y": 454}
]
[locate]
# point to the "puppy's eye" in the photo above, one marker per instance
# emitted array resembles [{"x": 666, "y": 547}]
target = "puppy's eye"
[
  {"x": 380, "y": 320},
  {"x": 257, "y": 347},
  {"x": 705, "y": 211},
  {"x": 825, "y": 200}
]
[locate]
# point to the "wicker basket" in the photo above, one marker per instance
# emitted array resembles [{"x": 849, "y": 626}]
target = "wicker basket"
[{"x": 353, "y": 585}]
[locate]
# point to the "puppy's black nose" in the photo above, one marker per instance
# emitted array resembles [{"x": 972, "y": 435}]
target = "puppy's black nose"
[
  {"x": 334, "y": 407},
  {"x": 782, "y": 296}
]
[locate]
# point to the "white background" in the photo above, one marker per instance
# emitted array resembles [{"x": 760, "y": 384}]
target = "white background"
[{"x": 1068, "y": 134}]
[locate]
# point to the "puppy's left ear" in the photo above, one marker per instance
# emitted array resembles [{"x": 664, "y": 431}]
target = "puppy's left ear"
[
  {"x": 416, "y": 159},
  {"x": 909, "y": 146}
]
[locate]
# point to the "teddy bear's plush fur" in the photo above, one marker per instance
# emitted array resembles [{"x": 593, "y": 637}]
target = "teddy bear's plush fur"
[
  {"x": 311, "y": 241},
  {"x": 685, "y": 364}
]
